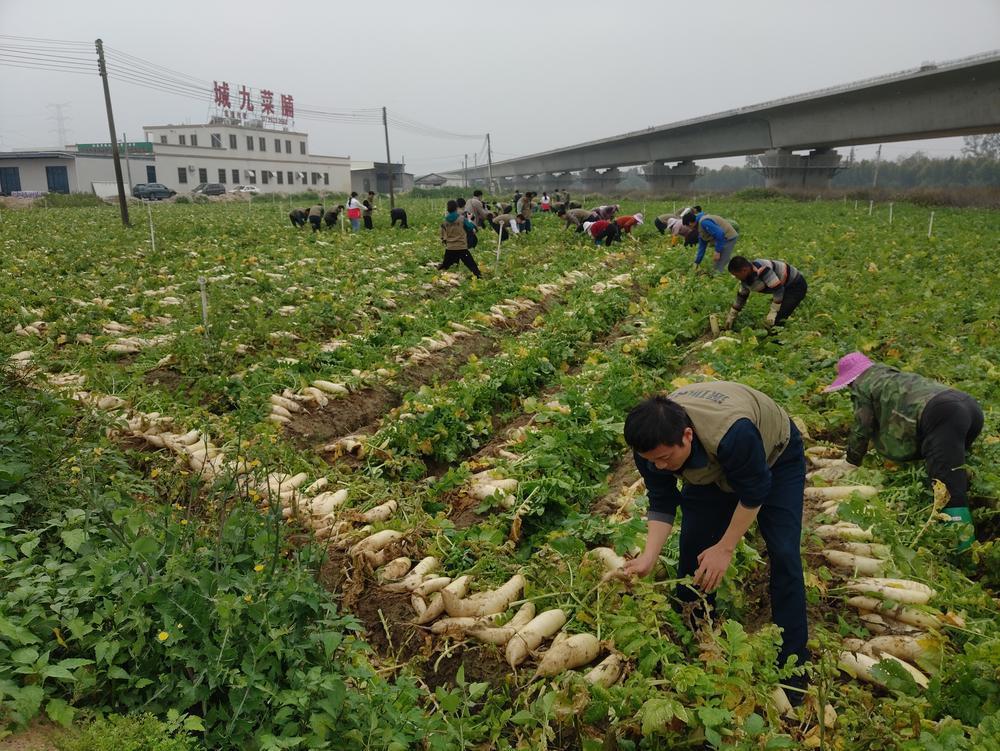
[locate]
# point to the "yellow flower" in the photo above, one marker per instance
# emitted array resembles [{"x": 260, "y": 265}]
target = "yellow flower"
[
  {"x": 155, "y": 473},
  {"x": 74, "y": 469},
  {"x": 163, "y": 636},
  {"x": 259, "y": 567},
  {"x": 184, "y": 521},
  {"x": 248, "y": 598}
]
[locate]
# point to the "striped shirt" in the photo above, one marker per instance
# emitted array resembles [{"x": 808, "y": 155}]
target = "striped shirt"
[{"x": 771, "y": 278}]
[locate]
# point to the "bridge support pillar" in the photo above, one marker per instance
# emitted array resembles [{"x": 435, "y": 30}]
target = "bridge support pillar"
[
  {"x": 783, "y": 169},
  {"x": 593, "y": 181},
  {"x": 662, "y": 179}
]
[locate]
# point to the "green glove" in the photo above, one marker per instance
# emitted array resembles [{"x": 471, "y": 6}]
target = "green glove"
[{"x": 962, "y": 515}]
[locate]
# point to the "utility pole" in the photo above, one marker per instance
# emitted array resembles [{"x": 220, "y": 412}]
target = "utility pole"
[
  {"x": 465, "y": 171},
  {"x": 878, "y": 159},
  {"x": 128, "y": 165},
  {"x": 103, "y": 69},
  {"x": 489, "y": 159},
  {"x": 388, "y": 159}
]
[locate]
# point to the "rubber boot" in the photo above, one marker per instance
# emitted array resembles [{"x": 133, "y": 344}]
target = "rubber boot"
[{"x": 962, "y": 515}]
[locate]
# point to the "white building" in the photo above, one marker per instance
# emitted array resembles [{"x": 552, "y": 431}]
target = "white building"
[
  {"x": 232, "y": 153},
  {"x": 180, "y": 157}
]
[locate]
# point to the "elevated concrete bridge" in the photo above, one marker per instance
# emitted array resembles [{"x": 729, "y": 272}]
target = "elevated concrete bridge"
[{"x": 960, "y": 97}]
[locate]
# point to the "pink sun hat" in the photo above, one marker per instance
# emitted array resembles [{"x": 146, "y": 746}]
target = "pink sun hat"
[{"x": 849, "y": 367}]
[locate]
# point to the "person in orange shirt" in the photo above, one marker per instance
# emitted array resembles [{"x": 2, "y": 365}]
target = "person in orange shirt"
[{"x": 627, "y": 222}]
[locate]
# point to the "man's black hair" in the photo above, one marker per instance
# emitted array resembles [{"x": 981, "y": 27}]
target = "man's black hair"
[
  {"x": 656, "y": 421},
  {"x": 688, "y": 218},
  {"x": 452, "y": 206},
  {"x": 696, "y": 209},
  {"x": 736, "y": 263},
  {"x": 460, "y": 202},
  {"x": 477, "y": 193}
]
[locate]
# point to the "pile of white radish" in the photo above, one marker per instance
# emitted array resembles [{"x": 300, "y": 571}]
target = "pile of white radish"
[
  {"x": 288, "y": 403},
  {"x": 131, "y": 344},
  {"x": 37, "y": 328},
  {"x": 489, "y": 483}
]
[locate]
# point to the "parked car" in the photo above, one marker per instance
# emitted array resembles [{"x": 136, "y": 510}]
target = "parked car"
[
  {"x": 210, "y": 189},
  {"x": 246, "y": 189},
  {"x": 152, "y": 191}
]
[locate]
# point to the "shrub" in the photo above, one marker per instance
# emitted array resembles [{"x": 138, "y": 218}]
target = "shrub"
[{"x": 141, "y": 732}]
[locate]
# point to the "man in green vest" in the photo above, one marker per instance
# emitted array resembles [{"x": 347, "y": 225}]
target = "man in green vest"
[
  {"x": 741, "y": 459},
  {"x": 911, "y": 417},
  {"x": 716, "y": 231}
]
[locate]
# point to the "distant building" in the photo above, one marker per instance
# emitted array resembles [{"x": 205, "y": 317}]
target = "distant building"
[
  {"x": 66, "y": 170},
  {"x": 367, "y": 176},
  {"x": 182, "y": 156},
  {"x": 233, "y": 153},
  {"x": 440, "y": 180}
]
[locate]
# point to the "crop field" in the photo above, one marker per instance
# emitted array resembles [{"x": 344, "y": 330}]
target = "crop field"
[{"x": 294, "y": 490}]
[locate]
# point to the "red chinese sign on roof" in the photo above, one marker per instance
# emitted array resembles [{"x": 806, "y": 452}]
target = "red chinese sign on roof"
[{"x": 252, "y": 104}]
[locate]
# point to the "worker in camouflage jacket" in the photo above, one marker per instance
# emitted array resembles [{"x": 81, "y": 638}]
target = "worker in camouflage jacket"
[{"x": 907, "y": 417}]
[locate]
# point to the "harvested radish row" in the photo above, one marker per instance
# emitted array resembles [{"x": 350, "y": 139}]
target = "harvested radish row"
[
  {"x": 910, "y": 648},
  {"x": 854, "y": 563},
  {"x": 837, "y": 493},
  {"x": 899, "y": 590},
  {"x": 416, "y": 577},
  {"x": 870, "y": 549},
  {"x": 901, "y": 613},
  {"x": 528, "y": 638},
  {"x": 379, "y": 513},
  {"x": 572, "y": 652},
  {"x": 376, "y": 542},
  {"x": 860, "y": 666},
  {"x": 843, "y": 531},
  {"x": 484, "y": 603}
]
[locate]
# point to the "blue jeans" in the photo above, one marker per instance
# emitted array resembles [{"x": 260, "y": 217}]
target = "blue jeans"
[
  {"x": 707, "y": 510},
  {"x": 355, "y": 225}
]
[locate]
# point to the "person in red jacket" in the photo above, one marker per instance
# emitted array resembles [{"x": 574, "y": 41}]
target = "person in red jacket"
[
  {"x": 627, "y": 221},
  {"x": 603, "y": 230}
]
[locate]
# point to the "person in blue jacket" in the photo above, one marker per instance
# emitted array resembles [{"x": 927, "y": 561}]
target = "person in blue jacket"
[
  {"x": 713, "y": 230},
  {"x": 741, "y": 460}
]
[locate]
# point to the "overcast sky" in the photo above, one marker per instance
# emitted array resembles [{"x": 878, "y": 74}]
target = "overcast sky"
[{"x": 536, "y": 75}]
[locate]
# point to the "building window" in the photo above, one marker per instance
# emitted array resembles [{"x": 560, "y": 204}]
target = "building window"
[
  {"x": 288, "y": 147},
  {"x": 263, "y": 143},
  {"x": 264, "y": 176},
  {"x": 281, "y": 177},
  {"x": 326, "y": 178},
  {"x": 202, "y": 175},
  {"x": 302, "y": 147},
  {"x": 291, "y": 177},
  {"x": 236, "y": 177},
  {"x": 194, "y": 139},
  {"x": 232, "y": 140},
  {"x": 251, "y": 177},
  {"x": 277, "y": 145},
  {"x": 182, "y": 140},
  {"x": 182, "y": 175},
  {"x": 216, "y": 140},
  {"x": 249, "y": 143},
  {"x": 163, "y": 139},
  {"x": 222, "y": 176},
  {"x": 314, "y": 176}
]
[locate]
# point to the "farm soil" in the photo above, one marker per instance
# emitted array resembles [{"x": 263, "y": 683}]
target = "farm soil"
[
  {"x": 166, "y": 378},
  {"x": 38, "y": 736}
]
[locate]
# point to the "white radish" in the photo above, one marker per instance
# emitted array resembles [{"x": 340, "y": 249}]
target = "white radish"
[
  {"x": 842, "y": 531},
  {"x": 459, "y": 627},
  {"x": 858, "y": 564},
  {"x": 431, "y": 586},
  {"x": 324, "y": 504},
  {"x": 500, "y": 635},
  {"x": 278, "y": 419},
  {"x": 607, "y": 672},
  {"x": 484, "y": 603},
  {"x": 376, "y": 542},
  {"x": 317, "y": 486},
  {"x": 379, "y": 513},
  {"x": 781, "y": 702},
  {"x": 612, "y": 562},
  {"x": 853, "y": 644},
  {"x": 572, "y": 652},
  {"x": 331, "y": 388},
  {"x": 395, "y": 569},
  {"x": 277, "y": 409},
  {"x": 416, "y": 577},
  {"x": 839, "y": 492},
  {"x": 870, "y": 549},
  {"x": 860, "y": 666},
  {"x": 899, "y": 590},
  {"x": 418, "y": 605},
  {"x": 907, "y": 647},
  {"x": 529, "y": 637},
  {"x": 290, "y": 405},
  {"x": 901, "y": 613},
  {"x": 435, "y": 606},
  {"x": 317, "y": 396}
]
